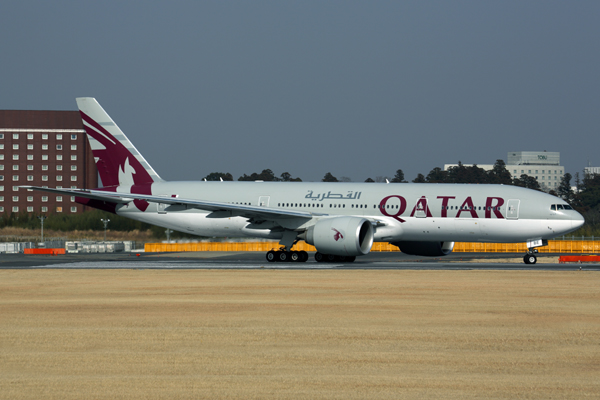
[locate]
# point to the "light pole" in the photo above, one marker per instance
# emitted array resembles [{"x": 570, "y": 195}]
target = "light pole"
[
  {"x": 42, "y": 218},
  {"x": 105, "y": 222}
]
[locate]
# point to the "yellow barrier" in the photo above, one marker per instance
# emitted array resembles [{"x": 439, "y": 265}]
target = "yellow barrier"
[{"x": 554, "y": 246}]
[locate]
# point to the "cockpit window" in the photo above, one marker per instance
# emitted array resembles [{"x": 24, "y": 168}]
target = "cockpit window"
[{"x": 555, "y": 207}]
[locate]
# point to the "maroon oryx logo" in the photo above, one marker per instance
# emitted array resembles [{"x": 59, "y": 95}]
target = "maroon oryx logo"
[{"x": 338, "y": 235}]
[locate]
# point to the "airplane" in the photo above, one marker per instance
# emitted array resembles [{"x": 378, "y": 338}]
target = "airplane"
[{"x": 342, "y": 220}]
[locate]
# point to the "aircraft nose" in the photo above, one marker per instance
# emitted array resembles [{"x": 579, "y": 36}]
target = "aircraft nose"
[{"x": 577, "y": 221}]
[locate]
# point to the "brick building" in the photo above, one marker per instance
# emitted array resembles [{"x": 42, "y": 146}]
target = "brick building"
[{"x": 43, "y": 148}]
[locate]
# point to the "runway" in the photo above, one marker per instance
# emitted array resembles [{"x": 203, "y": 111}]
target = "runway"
[{"x": 256, "y": 260}]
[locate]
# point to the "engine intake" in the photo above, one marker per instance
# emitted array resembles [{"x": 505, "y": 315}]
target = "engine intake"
[
  {"x": 341, "y": 236},
  {"x": 429, "y": 249}
]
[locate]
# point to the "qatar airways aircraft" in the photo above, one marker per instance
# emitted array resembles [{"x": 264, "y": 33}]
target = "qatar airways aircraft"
[{"x": 342, "y": 220}]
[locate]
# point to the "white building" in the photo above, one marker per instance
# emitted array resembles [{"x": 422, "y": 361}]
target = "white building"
[{"x": 542, "y": 165}]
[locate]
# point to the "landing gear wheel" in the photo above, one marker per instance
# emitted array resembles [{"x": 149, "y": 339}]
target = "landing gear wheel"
[
  {"x": 283, "y": 256},
  {"x": 294, "y": 256},
  {"x": 271, "y": 256},
  {"x": 319, "y": 257},
  {"x": 530, "y": 259},
  {"x": 331, "y": 258},
  {"x": 303, "y": 256}
]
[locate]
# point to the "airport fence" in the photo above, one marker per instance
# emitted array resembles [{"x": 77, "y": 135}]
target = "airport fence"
[{"x": 554, "y": 246}]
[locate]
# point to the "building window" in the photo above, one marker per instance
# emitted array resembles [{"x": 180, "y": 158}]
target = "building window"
[
  {"x": 29, "y": 209},
  {"x": 59, "y": 178},
  {"x": 1, "y": 177},
  {"x": 44, "y": 136},
  {"x": 1, "y": 188},
  {"x": 1, "y": 198},
  {"x": 59, "y": 187},
  {"x": 59, "y": 147},
  {"x": 44, "y": 168},
  {"x": 44, "y": 177},
  {"x": 15, "y": 198},
  {"x": 44, "y": 147},
  {"x": 44, "y": 209},
  {"x": 15, "y": 156},
  {"x": 16, "y": 189},
  {"x": 29, "y": 147},
  {"x": 30, "y": 168},
  {"x": 73, "y": 178},
  {"x": 73, "y": 147},
  {"x": 1, "y": 146},
  {"x": 59, "y": 136},
  {"x": 30, "y": 156},
  {"x": 59, "y": 167},
  {"x": 1, "y": 167},
  {"x": 73, "y": 167},
  {"x": 15, "y": 209},
  {"x": 15, "y": 167},
  {"x": 1, "y": 156},
  {"x": 59, "y": 157},
  {"x": 15, "y": 147},
  {"x": 44, "y": 199},
  {"x": 29, "y": 198},
  {"x": 45, "y": 157},
  {"x": 15, "y": 178},
  {"x": 59, "y": 199},
  {"x": 73, "y": 209},
  {"x": 1, "y": 135},
  {"x": 74, "y": 136},
  {"x": 30, "y": 178},
  {"x": 72, "y": 199},
  {"x": 73, "y": 157},
  {"x": 1, "y": 209},
  {"x": 30, "y": 136},
  {"x": 15, "y": 135},
  {"x": 58, "y": 209}
]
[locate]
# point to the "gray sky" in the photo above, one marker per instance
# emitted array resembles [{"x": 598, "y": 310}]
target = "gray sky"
[{"x": 359, "y": 89}]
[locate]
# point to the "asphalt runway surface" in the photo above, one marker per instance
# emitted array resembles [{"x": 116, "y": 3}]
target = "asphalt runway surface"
[{"x": 256, "y": 260}]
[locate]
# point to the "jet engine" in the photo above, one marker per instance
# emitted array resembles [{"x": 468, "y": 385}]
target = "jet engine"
[
  {"x": 341, "y": 236},
  {"x": 430, "y": 249}
]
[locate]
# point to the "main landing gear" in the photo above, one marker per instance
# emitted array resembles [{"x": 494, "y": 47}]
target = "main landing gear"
[{"x": 287, "y": 256}]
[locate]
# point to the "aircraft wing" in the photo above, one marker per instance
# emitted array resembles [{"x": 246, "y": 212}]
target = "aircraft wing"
[{"x": 229, "y": 210}]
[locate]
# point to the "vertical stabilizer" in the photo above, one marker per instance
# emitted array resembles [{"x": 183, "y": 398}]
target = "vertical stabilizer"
[{"x": 118, "y": 161}]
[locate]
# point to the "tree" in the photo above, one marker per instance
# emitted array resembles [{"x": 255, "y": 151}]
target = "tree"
[
  {"x": 329, "y": 178},
  {"x": 564, "y": 189},
  {"x": 399, "y": 177},
  {"x": 369, "y": 180},
  {"x": 437, "y": 175},
  {"x": 287, "y": 177},
  {"x": 527, "y": 181},
  {"x": 499, "y": 174},
  {"x": 419, "y": 179},
  {"x": 216, "y": 176},
  {"x": 266, "y": 175}
]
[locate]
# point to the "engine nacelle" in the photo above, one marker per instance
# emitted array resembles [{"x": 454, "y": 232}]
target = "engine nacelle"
[
  {"x": 429, "y": 249},
  {"x": 341, "y": 236}
]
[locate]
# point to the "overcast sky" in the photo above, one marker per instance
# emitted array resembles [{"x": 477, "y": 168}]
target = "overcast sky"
[{"x": 359, "y": 89}]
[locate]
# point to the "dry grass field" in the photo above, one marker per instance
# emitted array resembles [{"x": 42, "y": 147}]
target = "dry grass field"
[{"x": 255, "y": 334}]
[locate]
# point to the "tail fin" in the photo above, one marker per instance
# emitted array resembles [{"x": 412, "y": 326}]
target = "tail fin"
[{"x": 118, "y": 161}]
